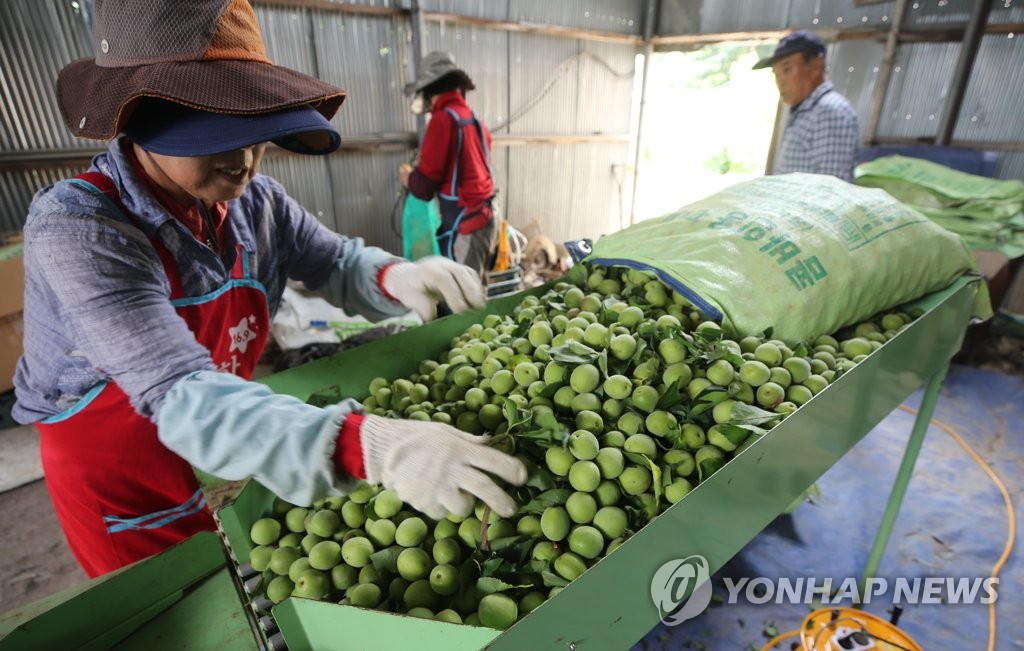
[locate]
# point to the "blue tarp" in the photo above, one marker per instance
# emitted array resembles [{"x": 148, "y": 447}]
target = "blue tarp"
[{"x": 953, "y": 523}]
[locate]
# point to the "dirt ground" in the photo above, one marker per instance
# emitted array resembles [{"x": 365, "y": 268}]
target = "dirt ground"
[
  {"x": 1003, "y": 354},
  {"x": 37, "y": 562}
]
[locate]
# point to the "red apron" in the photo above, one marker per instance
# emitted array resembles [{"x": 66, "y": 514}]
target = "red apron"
[{"x": 119, "y": 494}]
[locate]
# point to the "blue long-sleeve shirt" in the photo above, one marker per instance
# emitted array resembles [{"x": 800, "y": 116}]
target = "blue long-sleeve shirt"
[{"x": 97, "y": 297}]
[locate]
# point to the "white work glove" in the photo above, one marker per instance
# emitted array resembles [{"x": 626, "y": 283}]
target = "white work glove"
[
  {"x": 437, "y": 468},
  {"x": 419, "y": 285}
]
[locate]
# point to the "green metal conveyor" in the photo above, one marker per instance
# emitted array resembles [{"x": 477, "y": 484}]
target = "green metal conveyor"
[{"x": 193, "y": 596}]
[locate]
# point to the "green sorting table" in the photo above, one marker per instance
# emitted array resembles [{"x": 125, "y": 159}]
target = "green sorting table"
[
  {"x": 609, "y": 607},
  {"x": 185, "y": 597},
  {"x": 191, "y": 595}
]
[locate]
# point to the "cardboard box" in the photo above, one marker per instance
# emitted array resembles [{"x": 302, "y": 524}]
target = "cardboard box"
[{"x": 12, "y": 296}]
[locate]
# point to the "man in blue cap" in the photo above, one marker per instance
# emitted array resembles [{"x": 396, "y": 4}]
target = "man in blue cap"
[{"x": 821, "y": 133}]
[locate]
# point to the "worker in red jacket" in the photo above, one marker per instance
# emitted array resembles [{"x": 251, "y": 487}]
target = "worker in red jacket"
[{"x": 455, "y": 163}]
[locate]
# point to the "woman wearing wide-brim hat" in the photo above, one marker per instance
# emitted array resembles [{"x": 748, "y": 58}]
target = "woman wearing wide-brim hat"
[
  {"x": 152, "y": 278},
  {"x": 454, "y": 163}
]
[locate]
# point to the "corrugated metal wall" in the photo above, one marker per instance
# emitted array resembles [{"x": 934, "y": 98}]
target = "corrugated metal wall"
[
  {"x": 38, "y": 39},
  {"x": 546, "y": 85},
  {"x": 549, "y": 85},
  {"x": 917, "y": 89},
  {"x": 922, "y": 72}
]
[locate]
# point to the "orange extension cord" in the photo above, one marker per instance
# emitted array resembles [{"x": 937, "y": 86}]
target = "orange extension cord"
[{"x": 1010, "y": 517}]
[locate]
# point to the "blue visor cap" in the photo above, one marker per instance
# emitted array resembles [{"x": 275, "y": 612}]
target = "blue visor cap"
[
  {"x": 799, "y": 41},
  {"x": 175, "y": 130}
]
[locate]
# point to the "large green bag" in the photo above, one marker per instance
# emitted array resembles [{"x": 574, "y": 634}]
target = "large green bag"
[
  {"x": 800, "y": 254},
  {"x": 420, "y": 221}
]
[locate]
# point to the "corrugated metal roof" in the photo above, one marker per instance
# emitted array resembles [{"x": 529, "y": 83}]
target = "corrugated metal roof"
[
  {"x": 991, "y": 108},
  {"x": 29, "y": 117},
  {"x": 1007, "y": 11},
  {"x": 923, "y": 13},
  {"x": 743, "y": 16},
  {"x": 853, "y": 69},
  {"x": 707, "y": 17},
  {"x": 679, "y": 17},
  {"x": 917, "y": 89},
  {"x": 829, "y": 14}
]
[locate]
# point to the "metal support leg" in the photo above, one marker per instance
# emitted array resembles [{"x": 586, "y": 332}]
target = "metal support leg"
[{"x": 899, "y": 489}]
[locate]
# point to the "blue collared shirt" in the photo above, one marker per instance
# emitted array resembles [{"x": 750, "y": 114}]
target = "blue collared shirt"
[
  {"x": 97, "y": 297},
  {"x": 821, "y": 136}
]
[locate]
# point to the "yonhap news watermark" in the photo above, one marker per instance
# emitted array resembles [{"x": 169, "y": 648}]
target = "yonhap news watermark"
[
  {"x": 828, "y": 592},
  {"x": 681, "y": 589}
]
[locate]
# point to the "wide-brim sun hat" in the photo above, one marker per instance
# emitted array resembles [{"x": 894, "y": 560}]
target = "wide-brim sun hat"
[
  {"x": 207, "y": 55},
  {"x": 434, "y": 67}
]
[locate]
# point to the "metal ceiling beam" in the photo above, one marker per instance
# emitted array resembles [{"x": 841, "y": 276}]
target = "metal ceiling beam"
[
  {"x": 532, "y": 28},
  {"x": 884, "y": 72},
  {"x": 650, "y": 27},
  {"x": 341, "y": 7},
  {"x": 968, "y": 52},
  {"x": 988, "y": 145}
]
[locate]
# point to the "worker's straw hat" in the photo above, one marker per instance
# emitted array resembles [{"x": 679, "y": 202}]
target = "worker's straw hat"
[
  {"x": 434, "y": 67},
  {"x": 204, "y": 55}
]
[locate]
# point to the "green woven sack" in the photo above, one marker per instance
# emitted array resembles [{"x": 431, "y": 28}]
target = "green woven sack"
[
  {"x": 799, "y": 254},
  {"x": 420, "y": 221},
  {"x": 987, "y": 213}
]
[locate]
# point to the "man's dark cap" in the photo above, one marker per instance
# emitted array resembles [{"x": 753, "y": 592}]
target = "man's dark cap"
[{"x": 800, "y": 41}]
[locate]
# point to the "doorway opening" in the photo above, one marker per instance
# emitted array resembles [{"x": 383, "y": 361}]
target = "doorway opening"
[{"x": 707, "y": 124}]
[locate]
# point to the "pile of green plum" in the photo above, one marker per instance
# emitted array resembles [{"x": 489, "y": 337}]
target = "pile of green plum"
[{"x": 618, "y": 395}]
